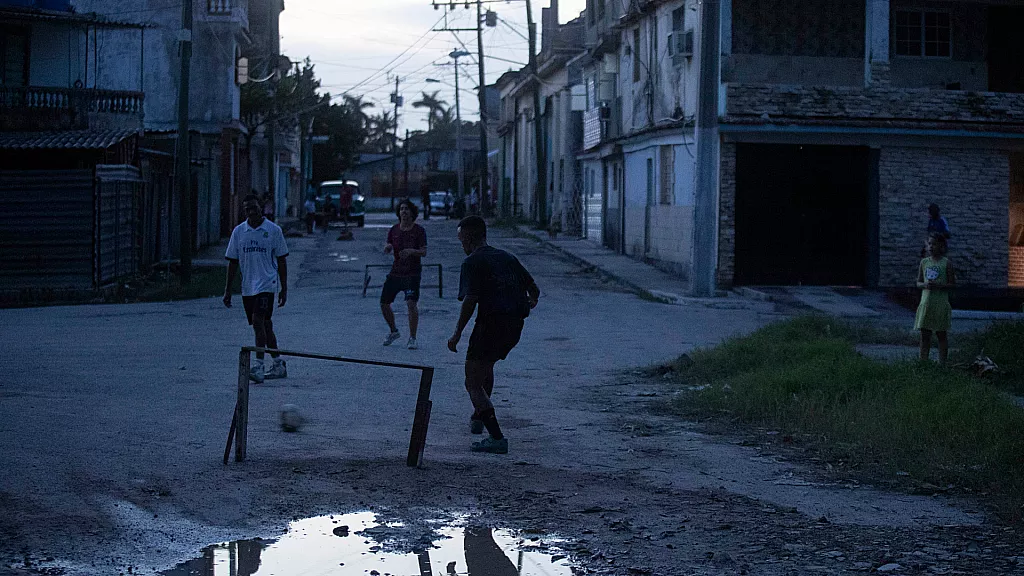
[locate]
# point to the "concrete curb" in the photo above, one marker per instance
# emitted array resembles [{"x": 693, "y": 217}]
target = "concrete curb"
[
  {"x": 985, "y": 315},
  {"x": 638, "y": 290}
]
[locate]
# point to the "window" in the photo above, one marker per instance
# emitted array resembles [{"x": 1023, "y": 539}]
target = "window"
[
  {"x": 678, "y": 19},
  {"x": 923, "y": 34},
  {"x": 13, "y": 57},
  {"x": 636, "y": 55},
  {"x": 668, "y": 173}
]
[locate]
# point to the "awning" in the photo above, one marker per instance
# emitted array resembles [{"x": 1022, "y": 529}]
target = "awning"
[{"x": 64, "y": 140}]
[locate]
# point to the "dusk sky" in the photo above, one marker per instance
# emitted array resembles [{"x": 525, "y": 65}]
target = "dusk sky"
[{"x": 358, "y": 46}]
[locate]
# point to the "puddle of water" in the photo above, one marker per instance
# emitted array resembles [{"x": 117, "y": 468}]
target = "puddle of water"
[{"x": 345, "y": 545}]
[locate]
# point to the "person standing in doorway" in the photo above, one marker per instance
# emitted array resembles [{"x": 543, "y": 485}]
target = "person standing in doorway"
[
  {"x": 407, "y": 240},
  {"x": 258, "y": 249},
  {"x": 499, "y": 289},
  {"x": 936, "y": 278}
]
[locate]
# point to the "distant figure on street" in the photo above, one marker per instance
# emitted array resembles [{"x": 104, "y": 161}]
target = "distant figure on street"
[
  {"x": 310, "y": 216},
  {"x": 268, "y": 207},
  {"x": 497, "y": 283},
  {"x": 474, "y": 201},
  {"x": 425, "y": 200},
  {"x": 936, "y": 278},
  {"x": 257, "y": 247},
  {"x": 407, "y": 240},
  {"x": 937, "y": 225}
]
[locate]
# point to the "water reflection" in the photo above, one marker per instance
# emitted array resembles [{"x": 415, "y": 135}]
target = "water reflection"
[{"x": 323, "y": 546}]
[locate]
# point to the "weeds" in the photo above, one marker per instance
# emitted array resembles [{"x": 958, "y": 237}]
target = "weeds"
[{"x": 941, "y": 426}]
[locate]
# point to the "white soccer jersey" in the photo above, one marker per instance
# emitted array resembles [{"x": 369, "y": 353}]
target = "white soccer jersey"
[{"x": 257, "y": 250}]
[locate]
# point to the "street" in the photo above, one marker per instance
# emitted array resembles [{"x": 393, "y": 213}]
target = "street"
[{"x": 113, "y": 421}]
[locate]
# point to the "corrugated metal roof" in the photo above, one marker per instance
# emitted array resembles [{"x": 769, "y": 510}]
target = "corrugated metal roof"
[
  {"x": 90, "y": 19},
  {"x": 68, "y": 140}
]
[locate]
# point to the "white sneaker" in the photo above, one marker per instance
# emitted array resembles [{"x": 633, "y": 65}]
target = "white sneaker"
[
  {"x": 277, "y": 370},
  {"x": 392, "y": 337},
  {"x": 256, "y": 373},
  {"x": 412, "y": 344}
]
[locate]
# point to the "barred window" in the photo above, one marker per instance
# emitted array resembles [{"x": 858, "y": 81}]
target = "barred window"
[{"x": 923, "y": 34}]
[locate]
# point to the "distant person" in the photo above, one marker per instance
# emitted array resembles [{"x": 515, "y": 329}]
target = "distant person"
[
  {"x": 425, "y": 200},
  {"x": 268, "y": 207},
  {"x": 310, "y": 216},
  {"x": 258, "y": 249},
  {"x": 498, "y": 288},
  {"x": 937, "y": 225},
  {"x": 345, "y": 203},
  {"x": 474, "y": 201},
  {"x": 936, "y": 278},
  {"x": 407, "y": 240}
]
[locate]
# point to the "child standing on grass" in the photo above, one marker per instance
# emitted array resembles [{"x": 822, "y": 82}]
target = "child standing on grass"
[{"x": 936, "y": 278}]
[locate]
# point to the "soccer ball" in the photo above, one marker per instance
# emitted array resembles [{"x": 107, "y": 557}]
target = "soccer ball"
[{"x": 291, "y": 420}]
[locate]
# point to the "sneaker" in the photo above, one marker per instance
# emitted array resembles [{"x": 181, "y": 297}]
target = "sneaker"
[
  {"x": 491, "y": 445},
  {"x": 412, "y": 344},
  {"x": 476, "y": 426},
  {"x": 277, "y": 370},
  {"x": 256, "y": 372},
  {"x": 392, "y": 337}
]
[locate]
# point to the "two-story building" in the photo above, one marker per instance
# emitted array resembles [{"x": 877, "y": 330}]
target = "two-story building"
[
  {"x": 842, "y": 121},
  {"x": 69, "y": 153}
]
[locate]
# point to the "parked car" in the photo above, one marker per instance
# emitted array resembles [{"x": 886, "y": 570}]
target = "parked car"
[
  {"x": 441, "y": 202},
  {"x": 338, "y": 193}
]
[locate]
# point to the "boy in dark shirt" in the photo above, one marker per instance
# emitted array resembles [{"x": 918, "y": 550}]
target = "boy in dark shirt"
[
  {"x": 407, "y": 240},
  {"x": 497, "y": 283}
]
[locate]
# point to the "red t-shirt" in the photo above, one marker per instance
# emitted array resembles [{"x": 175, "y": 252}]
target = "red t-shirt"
[{"x": 415, "y": 238}]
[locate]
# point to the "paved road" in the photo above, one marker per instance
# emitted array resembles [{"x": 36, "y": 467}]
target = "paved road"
[{"x": 113, "y": 417}]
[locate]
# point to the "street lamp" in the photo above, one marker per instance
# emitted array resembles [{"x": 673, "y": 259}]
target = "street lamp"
[{"x": 455, "y": 55}]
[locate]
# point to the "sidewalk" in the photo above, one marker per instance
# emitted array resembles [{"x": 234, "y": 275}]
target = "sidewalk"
[{"x": 643, "y": 279}]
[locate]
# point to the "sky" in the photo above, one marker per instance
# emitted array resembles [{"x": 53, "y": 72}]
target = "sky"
[{"x": 360, "y": 46}]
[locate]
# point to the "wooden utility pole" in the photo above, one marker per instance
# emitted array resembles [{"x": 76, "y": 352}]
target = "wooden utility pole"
[
  {"x": 705, "y": 195},
  {"x": 538, "y": 137},
  {"x": 182, "y": 169},
  {"x": 484, "y": 168},
  {"x": 405, "y": 149},
  {"x": 394, "y": 145}
]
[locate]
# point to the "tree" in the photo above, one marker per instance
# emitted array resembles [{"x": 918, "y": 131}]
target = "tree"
[
  {"x": 380, "y": 135},
  {"x": 344, "y": 126},
  {"x": 434, "y": 106}
]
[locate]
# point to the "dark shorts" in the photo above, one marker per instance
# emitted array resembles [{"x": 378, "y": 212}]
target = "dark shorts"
[
  {"x": 494, "y": 337},
  {"x": 395, "y": 284},
  {"x": 262, "y": 304}
]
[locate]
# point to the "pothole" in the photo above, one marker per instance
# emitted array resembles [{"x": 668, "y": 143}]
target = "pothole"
[{"x": 362, "y": 543}]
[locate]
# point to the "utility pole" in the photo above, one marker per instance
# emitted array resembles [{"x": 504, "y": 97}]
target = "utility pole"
[
  {"x": 182, "y": 169},
  {"x": 707, "y": 153},
  {"x": 482, "y": 94},
  {"x": 538, "y": 139},
  {"x": 456, "y": 54},
  {"x": 394, "y": 144},
  {"x": 405, "y": 149}
]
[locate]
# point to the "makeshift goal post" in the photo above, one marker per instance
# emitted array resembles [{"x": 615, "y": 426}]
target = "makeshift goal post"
[
  {"x": 440, "y": 277},
  {"x": 240, "y": 420}
]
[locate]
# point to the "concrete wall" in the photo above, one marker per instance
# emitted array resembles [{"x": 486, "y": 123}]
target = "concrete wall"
[
  {"x": 971, "y": 187},
  {"x": 54, "y": 56},
  {"x": 727, "y": 216}
]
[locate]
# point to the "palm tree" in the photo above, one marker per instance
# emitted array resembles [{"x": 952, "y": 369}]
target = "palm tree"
[
  {"x": 434, "y": 107},
  {"x": 380, "y": 134},
  {"x": 356, "y": 104}
]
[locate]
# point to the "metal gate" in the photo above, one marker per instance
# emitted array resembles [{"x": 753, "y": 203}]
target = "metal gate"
[
  {"x": 117, "y": 248},
  {"x": 46, "y": 228},
  {"x": 592, "y": 206}
]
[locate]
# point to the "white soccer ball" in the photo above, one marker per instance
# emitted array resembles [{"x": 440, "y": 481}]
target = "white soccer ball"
[{"x": 291, "y": 419}]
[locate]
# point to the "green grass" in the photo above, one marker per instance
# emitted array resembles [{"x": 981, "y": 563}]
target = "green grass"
[
  {"x": 804, "y": 378},
  {"x": 206, "y": 282}
]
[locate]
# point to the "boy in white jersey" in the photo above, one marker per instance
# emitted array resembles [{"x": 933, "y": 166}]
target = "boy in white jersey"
[{"x": 257, "y": 246}]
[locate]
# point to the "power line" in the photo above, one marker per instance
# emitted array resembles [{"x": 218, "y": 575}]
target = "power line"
[{"x": 383, "y": 68}]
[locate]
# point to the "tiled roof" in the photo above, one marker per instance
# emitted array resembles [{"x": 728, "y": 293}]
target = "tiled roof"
[{"x": 68, "y": 140}]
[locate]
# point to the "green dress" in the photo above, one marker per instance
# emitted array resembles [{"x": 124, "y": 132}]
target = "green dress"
[{"x": 934, "y": 312}]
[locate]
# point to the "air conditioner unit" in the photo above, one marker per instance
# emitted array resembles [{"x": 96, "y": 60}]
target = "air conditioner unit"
[{"x": 680, "y": 43}]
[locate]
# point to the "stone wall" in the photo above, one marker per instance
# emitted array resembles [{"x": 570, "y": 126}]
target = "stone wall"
[
  {"x": 972, "y": 189},
  {"x": 727, "y": 216},
  {"x": 882, "y": 102}
]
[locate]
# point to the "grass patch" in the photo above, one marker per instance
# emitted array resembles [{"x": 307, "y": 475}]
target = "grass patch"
[
  {"x": 803, "y": 377},
  {"x": 206, "y": 282},
  {"x": 1004, "y": 344}
]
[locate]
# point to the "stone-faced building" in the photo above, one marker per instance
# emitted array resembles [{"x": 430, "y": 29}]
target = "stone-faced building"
[{"x": 842, "y": 120}]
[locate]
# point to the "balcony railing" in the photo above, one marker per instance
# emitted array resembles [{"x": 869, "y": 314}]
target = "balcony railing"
[
  {"x": 78, "y": 99},
  {"x": 219, "y": 7}
]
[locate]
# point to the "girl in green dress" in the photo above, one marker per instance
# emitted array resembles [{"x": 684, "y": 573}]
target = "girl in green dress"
[{"x": 936, "y": 278}]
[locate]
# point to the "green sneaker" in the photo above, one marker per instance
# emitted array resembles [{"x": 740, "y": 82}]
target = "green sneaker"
[{"x": 491, "y": 445}]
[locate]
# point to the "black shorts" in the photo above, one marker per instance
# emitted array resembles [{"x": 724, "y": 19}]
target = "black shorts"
[
  {"x": 395, "y": 284},
  {"x": 494, "y": 337},
  {"x": 262, "y": 303}
]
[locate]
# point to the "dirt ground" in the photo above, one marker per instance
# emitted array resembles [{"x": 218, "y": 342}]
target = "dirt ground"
[{"x": 113, "y": 423}]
